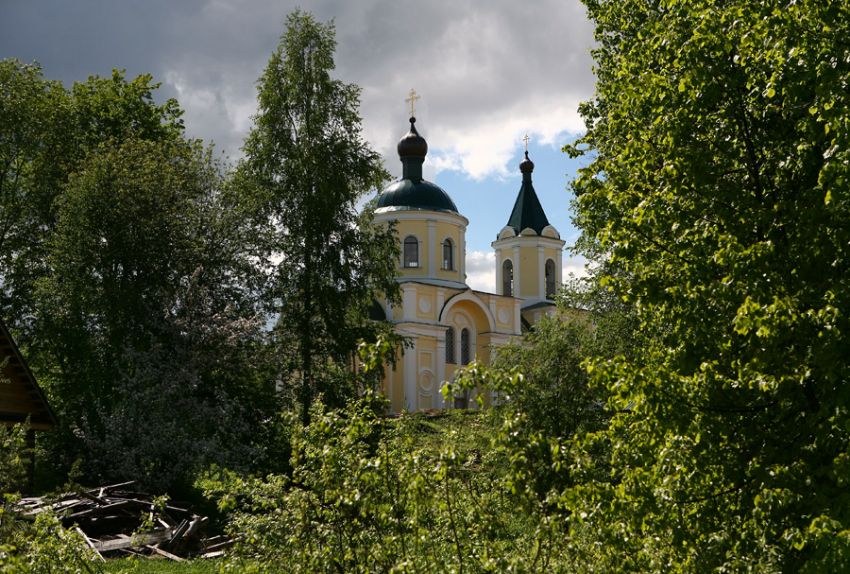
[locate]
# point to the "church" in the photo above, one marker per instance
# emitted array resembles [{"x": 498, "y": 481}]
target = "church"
[{"x": 447, "y": 323}]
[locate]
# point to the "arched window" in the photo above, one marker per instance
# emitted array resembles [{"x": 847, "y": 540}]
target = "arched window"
[
  {"x": 507, "y": 278},
  {"x": 411, "y": 251},
  {"x": 464, "y": 347},
  {"x": 550, "y": 279},
  {"x": 448, "y": 254},
  {"x": 450, "y": 345}
]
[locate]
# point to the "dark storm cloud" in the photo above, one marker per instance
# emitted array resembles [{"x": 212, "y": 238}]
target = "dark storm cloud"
[{"x": 487, "y": 71}]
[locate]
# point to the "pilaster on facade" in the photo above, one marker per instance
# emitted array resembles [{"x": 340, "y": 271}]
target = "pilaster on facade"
[
  {"x": 461, "y": 251},
  {"x": 559, "y": 270},
  {"x": 441, "y": 370},
  {"x": 433, "y": 254},
  {"x": 541, "y": 271},
  {"x": 410, "y": 373},
  {"x": 408, "y": 301},
  {"x": 499, "y": 271}
]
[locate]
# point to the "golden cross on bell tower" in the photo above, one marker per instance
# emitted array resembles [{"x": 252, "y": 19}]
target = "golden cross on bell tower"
[
  {"x": 411, "y": 99},
  {"x": 525, "y": 139}
]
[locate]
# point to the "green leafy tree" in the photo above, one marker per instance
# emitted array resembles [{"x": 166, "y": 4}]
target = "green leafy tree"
[
  {"x": 147, "y": 327},
  {"x": 116, "y": 108},
  {"x": 32, "y": 544},
  {"x": 47, "y": 132},
  {"x": 554, "y": 394},
  {"x": 35, "y": 139},
  {"x": 306, "y": 167},
  {"x": 14, "y": 456},
  {"x": 718, "y": 187}
]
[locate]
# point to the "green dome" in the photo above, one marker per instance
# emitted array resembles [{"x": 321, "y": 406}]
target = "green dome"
[
  {"x": 411, "y": 191},
  {"x": 407, "y": 194}
]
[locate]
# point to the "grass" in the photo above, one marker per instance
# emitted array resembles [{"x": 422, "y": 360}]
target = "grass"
[
  {"x": 468, "y": 430},
  {"x": 163, "y": 566}
]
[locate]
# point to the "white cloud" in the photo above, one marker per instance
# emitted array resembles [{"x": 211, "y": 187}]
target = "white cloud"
[
  {"x": 486, "y": 78},
  {"x": 481, "y": 270},
  {"x": 576, "y": 265},
  {"x": 487, "y": 72},
  {"x": 484, "y": 150}
]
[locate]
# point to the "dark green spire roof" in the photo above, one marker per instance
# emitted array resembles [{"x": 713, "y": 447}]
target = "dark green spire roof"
[{"x": 527, "y": 210}]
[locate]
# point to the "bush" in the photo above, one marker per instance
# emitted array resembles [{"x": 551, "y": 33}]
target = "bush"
[
  {"x": 33, "y": 546},
  {"x": 365, "y": 496}
]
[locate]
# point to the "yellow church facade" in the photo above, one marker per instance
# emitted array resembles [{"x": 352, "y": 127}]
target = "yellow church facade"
[{"x": 447, "y": 323}]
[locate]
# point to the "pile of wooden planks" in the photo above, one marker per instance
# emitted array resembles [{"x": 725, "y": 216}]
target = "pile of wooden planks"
[{"x": 116, "y": 520}]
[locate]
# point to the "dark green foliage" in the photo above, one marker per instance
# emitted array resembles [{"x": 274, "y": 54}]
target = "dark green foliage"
[
  {"x": 115, "y": 109},
  {"x": 127, "y": 280},
  {"x": 554, "y": 394},
  {"x": 41, "y": 546},
  {"x": 33, "y": 545},
  {"x": 546, "y": 395},
  {"x": 47, "y": 132},
  {"x": 150, "y": 339},
  {"x": 461, "y": 492},
  {"x": 718, "y": 190},
  {"x": 369, "y": 495},
  {"x": 35, "y": 144},
  {"x": 306, "y": 167},
  {"x": 15, "y": 457}
]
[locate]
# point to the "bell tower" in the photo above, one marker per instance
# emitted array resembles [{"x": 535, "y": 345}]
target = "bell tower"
[{"x": 528, "y": 249}]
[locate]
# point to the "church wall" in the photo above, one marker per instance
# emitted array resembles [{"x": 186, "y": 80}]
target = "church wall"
[
  {"x": 416, "y": 380},
  {"x": 555, "y": 255},
  {"x": 426, "y": 303},
  {"x": 529, "y": 253},
  {"x": 529, "y": 271},
  {"x": 505, "y": 315},
  {"x": 502, "y": 309},
  {"x": 451, "y": 368},
  {"x": 427, "y": 384}
]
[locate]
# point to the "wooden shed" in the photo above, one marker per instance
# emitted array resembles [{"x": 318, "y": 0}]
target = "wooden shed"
[{"x": 20, "y": 395}]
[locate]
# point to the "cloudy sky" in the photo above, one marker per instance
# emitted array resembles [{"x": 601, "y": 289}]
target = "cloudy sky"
[{"x": 487, "y": 71}]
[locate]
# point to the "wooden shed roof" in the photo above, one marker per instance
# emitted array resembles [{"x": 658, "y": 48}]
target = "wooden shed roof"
[{"x": 20, "y": 395}]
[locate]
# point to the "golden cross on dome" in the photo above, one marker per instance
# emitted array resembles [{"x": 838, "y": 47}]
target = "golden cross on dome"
[
  {"x": 411, "y": 99},
  {"x": 525, "y": 139}
]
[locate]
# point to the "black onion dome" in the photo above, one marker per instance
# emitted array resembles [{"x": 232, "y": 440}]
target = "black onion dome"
[
  {"x": 526, "y": 165},
  {"x": 411, "y": 191},
  {"x": 412, "y": 144}
]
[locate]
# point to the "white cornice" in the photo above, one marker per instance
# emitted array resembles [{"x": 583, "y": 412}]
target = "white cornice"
[
  {"x": 528, "y": 241},
  {"x": 423, "y": 215}
]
